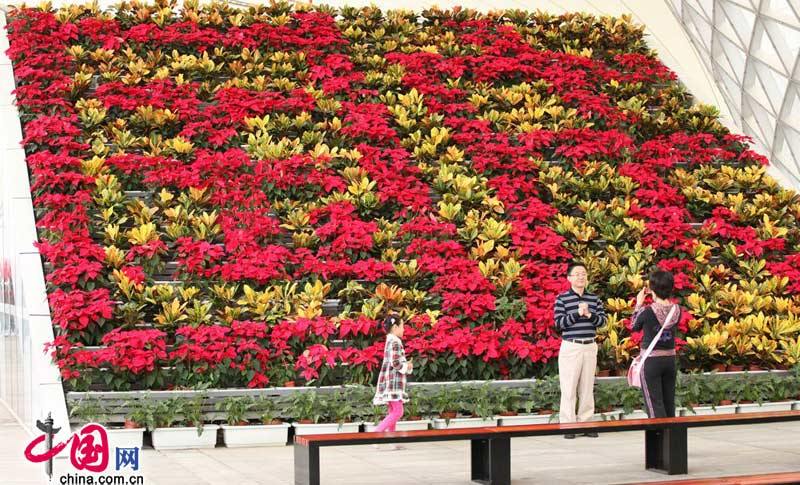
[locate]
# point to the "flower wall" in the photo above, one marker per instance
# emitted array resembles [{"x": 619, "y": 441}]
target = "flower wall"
[{"x": 233, "y": 197}]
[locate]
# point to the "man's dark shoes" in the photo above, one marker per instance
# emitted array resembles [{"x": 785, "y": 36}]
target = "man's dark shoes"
[
  {"x": 569, "y": 436},
  {"x": 590, "y": 435}
]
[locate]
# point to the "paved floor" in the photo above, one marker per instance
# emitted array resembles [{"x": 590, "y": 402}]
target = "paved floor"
[
  {"x": 14, "y": 469},
  {"x": 612, "y": 458}
]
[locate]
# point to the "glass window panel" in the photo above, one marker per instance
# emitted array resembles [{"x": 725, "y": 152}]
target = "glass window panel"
[
  {"x": 786, "y": 40},
  {"x": 774, "y": 84},
  {"x": 752, "y": 85},
  {"x": 780, "y": 10},
  {"x": 751, "y": 124},
  {"x": 736, "y": 56},
  {"x": 791, "y": 111},
  {"x": 742, "y": 19},
  {"x": 762, "y": 48}
]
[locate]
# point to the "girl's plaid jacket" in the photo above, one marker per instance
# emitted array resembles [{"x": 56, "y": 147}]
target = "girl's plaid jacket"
[{"x": 392, "y": 379}]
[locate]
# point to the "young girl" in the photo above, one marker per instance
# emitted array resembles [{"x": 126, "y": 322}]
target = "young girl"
[{"x": 391, "y": 389}]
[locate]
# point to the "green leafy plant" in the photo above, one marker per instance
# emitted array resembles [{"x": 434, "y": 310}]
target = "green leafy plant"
[
  {"x": 267, "y": 410},
  {"x": 165, "y": 413},
  {"x": 193, "y": 413},
  {"x": 748, "y": 390},
  {"x": 546, "y": 393},
  {"x": 236, "y": 409},
  {"x": 445, "y": 402},
  {"x": 305, "y": 407},
  {"x": 630, "y": 398},
  {"x": 88, "y": 410},
  {"x": 507, "y": 400},
  {"x": 479, "y": 402},
  {"x": 606, "y": 397},
  {"x": 138, "y": 413},
  {"x": 338, "y": 407},
  {"x": 691, "y": 390}
]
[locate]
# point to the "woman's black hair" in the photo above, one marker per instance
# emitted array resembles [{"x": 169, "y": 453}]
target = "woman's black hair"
[
  {"x": 661, "y": 283},
  {"x": 390, "y": 321}
]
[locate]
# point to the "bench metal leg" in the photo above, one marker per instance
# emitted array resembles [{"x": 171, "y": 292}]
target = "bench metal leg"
[
  {"x": 306, "y": 465},
  {"x": 491, "y": 461},
  {"x": 666, "y": 451}
]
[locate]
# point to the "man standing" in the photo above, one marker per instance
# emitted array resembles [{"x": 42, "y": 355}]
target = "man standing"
[{"x": 578, "y": 315}]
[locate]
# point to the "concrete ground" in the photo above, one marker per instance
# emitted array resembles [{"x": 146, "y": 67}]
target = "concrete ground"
[
  {"x": 14, "y": 468},
  {"x": 611, "y": 458}
]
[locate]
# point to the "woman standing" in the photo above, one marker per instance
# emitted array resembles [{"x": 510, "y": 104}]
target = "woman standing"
[{"x": 659, "y": 369}]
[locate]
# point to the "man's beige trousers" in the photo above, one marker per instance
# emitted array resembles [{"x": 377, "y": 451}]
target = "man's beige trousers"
[{"x": 576, "y": 367}]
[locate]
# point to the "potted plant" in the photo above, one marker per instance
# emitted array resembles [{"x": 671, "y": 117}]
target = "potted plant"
[
  {"x": 777, "y": 390},
  {"x": 690, "y": 392},
  {"x": 238, "y": 432},
  {"x": 606, "y": 397},
  {"x": 444, "y": 404},
  {"x": 87, "y": 410},
  {"x": 131, "y": 434},
  {"x": 309, "y": 408},
  {"x": 526, "y": 400},
  {"x": 180, "y": 425},
  {"x": 478, "y": 405},
  {"x": 631, "y": 403},
  {"x": 282, "y": 374},
  {"x": 547, "y": 395},
  {"x": 508, "y": 401},
  {"x": 91, "y": 410},
  {"x": 748, "y": 394},
  {"x": 717, "y": 393}
]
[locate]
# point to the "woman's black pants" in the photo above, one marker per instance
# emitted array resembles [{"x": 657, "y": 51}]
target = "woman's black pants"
[{"x": 658, "y": 386}]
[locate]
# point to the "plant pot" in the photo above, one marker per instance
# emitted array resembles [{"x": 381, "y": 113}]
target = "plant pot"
[
  {"x": 735, "y": 368},
  {"x": 448, "y": 415},
  {"x": 765, "y": 407},
  {"x": 719, "y": 367},
  {"x": 258, "y": 435},
  {"x": 725, "y": 402},
  {"x": 506, "y": 414},
  {"x": 636, "y": 414},
  {"x": 324, "y": 428},
  {"x": 125, "y": 437},
  {"x": 131, "y": 424},
  {"x": 288, "y": 384},
  {"x": 464, "y": 423},
  {"x": 410, "y": 425},
  {"x": 546, "y": 411},
  {"x": 709, "y": 410},
  {"x": 184, "y": 438},
  {"x": 523, "y": 419},
  {"x": 603, "y": 373}
]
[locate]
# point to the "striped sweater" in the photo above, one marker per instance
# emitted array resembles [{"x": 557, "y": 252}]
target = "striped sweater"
[{"x": 569, "y": 323}]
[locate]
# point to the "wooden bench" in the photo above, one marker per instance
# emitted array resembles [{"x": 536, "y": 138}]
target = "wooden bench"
[
  {"x": 764, "y": 479},
  {"x": 665, "y": 442}
]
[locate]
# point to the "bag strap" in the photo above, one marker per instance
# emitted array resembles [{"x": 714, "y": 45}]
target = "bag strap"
[{"x": 653, "y": 343}]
